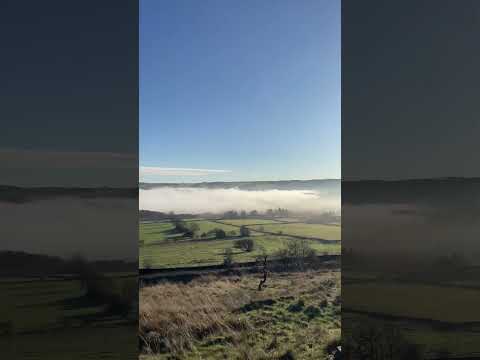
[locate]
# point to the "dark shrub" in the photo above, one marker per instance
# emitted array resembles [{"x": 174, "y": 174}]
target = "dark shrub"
[
  {"x": 296, "y": 307},
  {"x": 228, "y": 258},
  {"x": 287, "y": 356},
  {"x": 220, "y": 233},
  {"x": 245, "y": 244},
  {"x": 244, "y": 231},
  {"x": 312, "y": 312}
]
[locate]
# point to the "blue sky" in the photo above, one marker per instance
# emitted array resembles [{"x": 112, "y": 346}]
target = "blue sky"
[{"x": 249, "y": 89}]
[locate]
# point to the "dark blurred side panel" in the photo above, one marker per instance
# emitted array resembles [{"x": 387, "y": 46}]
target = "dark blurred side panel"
[
  {"x": 411, "y": 179},
  {"x": 69, "y": 179}
]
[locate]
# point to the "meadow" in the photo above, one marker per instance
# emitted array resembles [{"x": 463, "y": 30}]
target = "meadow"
[
  {"x": 162, "y": 247},
  {"x": 296, "y": 316},
  {"x": 156, "y": 232},
  {"x": 419, "y": 301},
  {"x": 211, "y": 252},
  {"x": 240, "y": 222},
  {"x": 32, "y": 311},
  {"x": 319, "y": 231},
  {"x": 441, "y": 318}
]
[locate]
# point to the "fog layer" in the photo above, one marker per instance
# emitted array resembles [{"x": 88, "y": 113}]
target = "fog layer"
[
  {"x": 196, "y": 201},
  {"x": 422, "y": 230},
  {"x": 97, "y": 228}
]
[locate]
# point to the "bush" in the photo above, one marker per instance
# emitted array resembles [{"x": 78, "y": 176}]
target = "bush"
[
  {"x": 244, "y": 231},
  {"x": 103, "y": 289},
  {"x": 187, "y": 230},
  {"x": 296, "y": 254},
  {"x": 312, "y": 312},
  {"x": 245, "y": 244},
  {"x": 228, "y": 258},
  {"x": 287, "y": 356},
  {"x": 180, "y": 226},
  {"x": 220, "y": 233},
  {"x": 296, "y": 307}
]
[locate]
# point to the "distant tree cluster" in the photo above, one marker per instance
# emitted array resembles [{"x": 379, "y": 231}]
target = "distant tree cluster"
[
  {"x": 218, "y": 233},
  {"x": 189, "y": 230},
  {"x": 277, "y": 212},
  {"x": 324, "y": 218},
  {"x": 233, "y": 214}
]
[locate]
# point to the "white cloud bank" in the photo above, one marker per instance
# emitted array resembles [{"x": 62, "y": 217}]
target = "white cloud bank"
[
  {"x": 98, "y": 228},
  {"x": 196, "y": 201},
  {"x": 162, "y": 171}
]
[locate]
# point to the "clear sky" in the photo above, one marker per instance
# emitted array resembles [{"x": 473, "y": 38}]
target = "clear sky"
[{"x": 250, "y": 89}]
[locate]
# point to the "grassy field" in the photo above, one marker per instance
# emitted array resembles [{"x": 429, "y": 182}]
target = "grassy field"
[
  {"x": 161, "y": 247},
  {"x": 240, "y": 222},
  {"x": 455, "y": 305},
  {"x": 211, "y": 252},
  {"x": 44, "y": 305},
  {"x": 417, "y": 308},
  {"x": 157, "y": 232},
  {"x": 433, "y": 342},
  {"x": 54, "y": 319},
  {"x": 327, "y": 232},
  {"x": 228, "y": 318},
  {"x": 21, "y": 304},
  {"x": 206, "y": 226}
]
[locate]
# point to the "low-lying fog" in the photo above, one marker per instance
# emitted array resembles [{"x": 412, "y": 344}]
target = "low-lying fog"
[
  {"x": 97, "y": 228},
  {"x": 198, "y": 200},
  {"x": 427, "y": 231}
]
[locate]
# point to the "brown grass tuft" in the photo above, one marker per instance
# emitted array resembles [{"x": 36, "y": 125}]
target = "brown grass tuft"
[{"x": 173, "y": 315}]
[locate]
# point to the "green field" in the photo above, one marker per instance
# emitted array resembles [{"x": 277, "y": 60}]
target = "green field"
[
  {"x": 53, "y": 319},
  {"x": 43, "y": 305},
  {"x": 21, "y": 302},
  {"x": 156, "y": 232},
  {"x": 417, "y": 308},
  {"x": 443, "y": 303},
  {"x": 161, "y": 247},
  {"x": 327, "y": 232},
  {"x": 240, "y": 222},
  {"x": 211, "y": 252},
  {"x": 432, "y": 341},
  {"x": 206, "y": 226}
]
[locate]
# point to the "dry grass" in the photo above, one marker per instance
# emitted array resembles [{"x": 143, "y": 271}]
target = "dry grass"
[
  {"x": 179, "y": 319},
  {"x": 173, "y": 315}
]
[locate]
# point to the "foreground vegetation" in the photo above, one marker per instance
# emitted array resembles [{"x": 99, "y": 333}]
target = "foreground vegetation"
[{"x": 295, "y": 316}]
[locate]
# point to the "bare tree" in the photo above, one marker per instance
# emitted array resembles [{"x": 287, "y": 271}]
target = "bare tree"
[{"x": 264, "y": 268}]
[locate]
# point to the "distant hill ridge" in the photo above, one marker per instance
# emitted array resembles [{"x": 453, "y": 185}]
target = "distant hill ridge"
[
  {"x": 17, "y": 194},
  {"x": 20, "y": 263},
  {"x": 445, "y": 191},
  {"x": 332, "y": 184}
]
